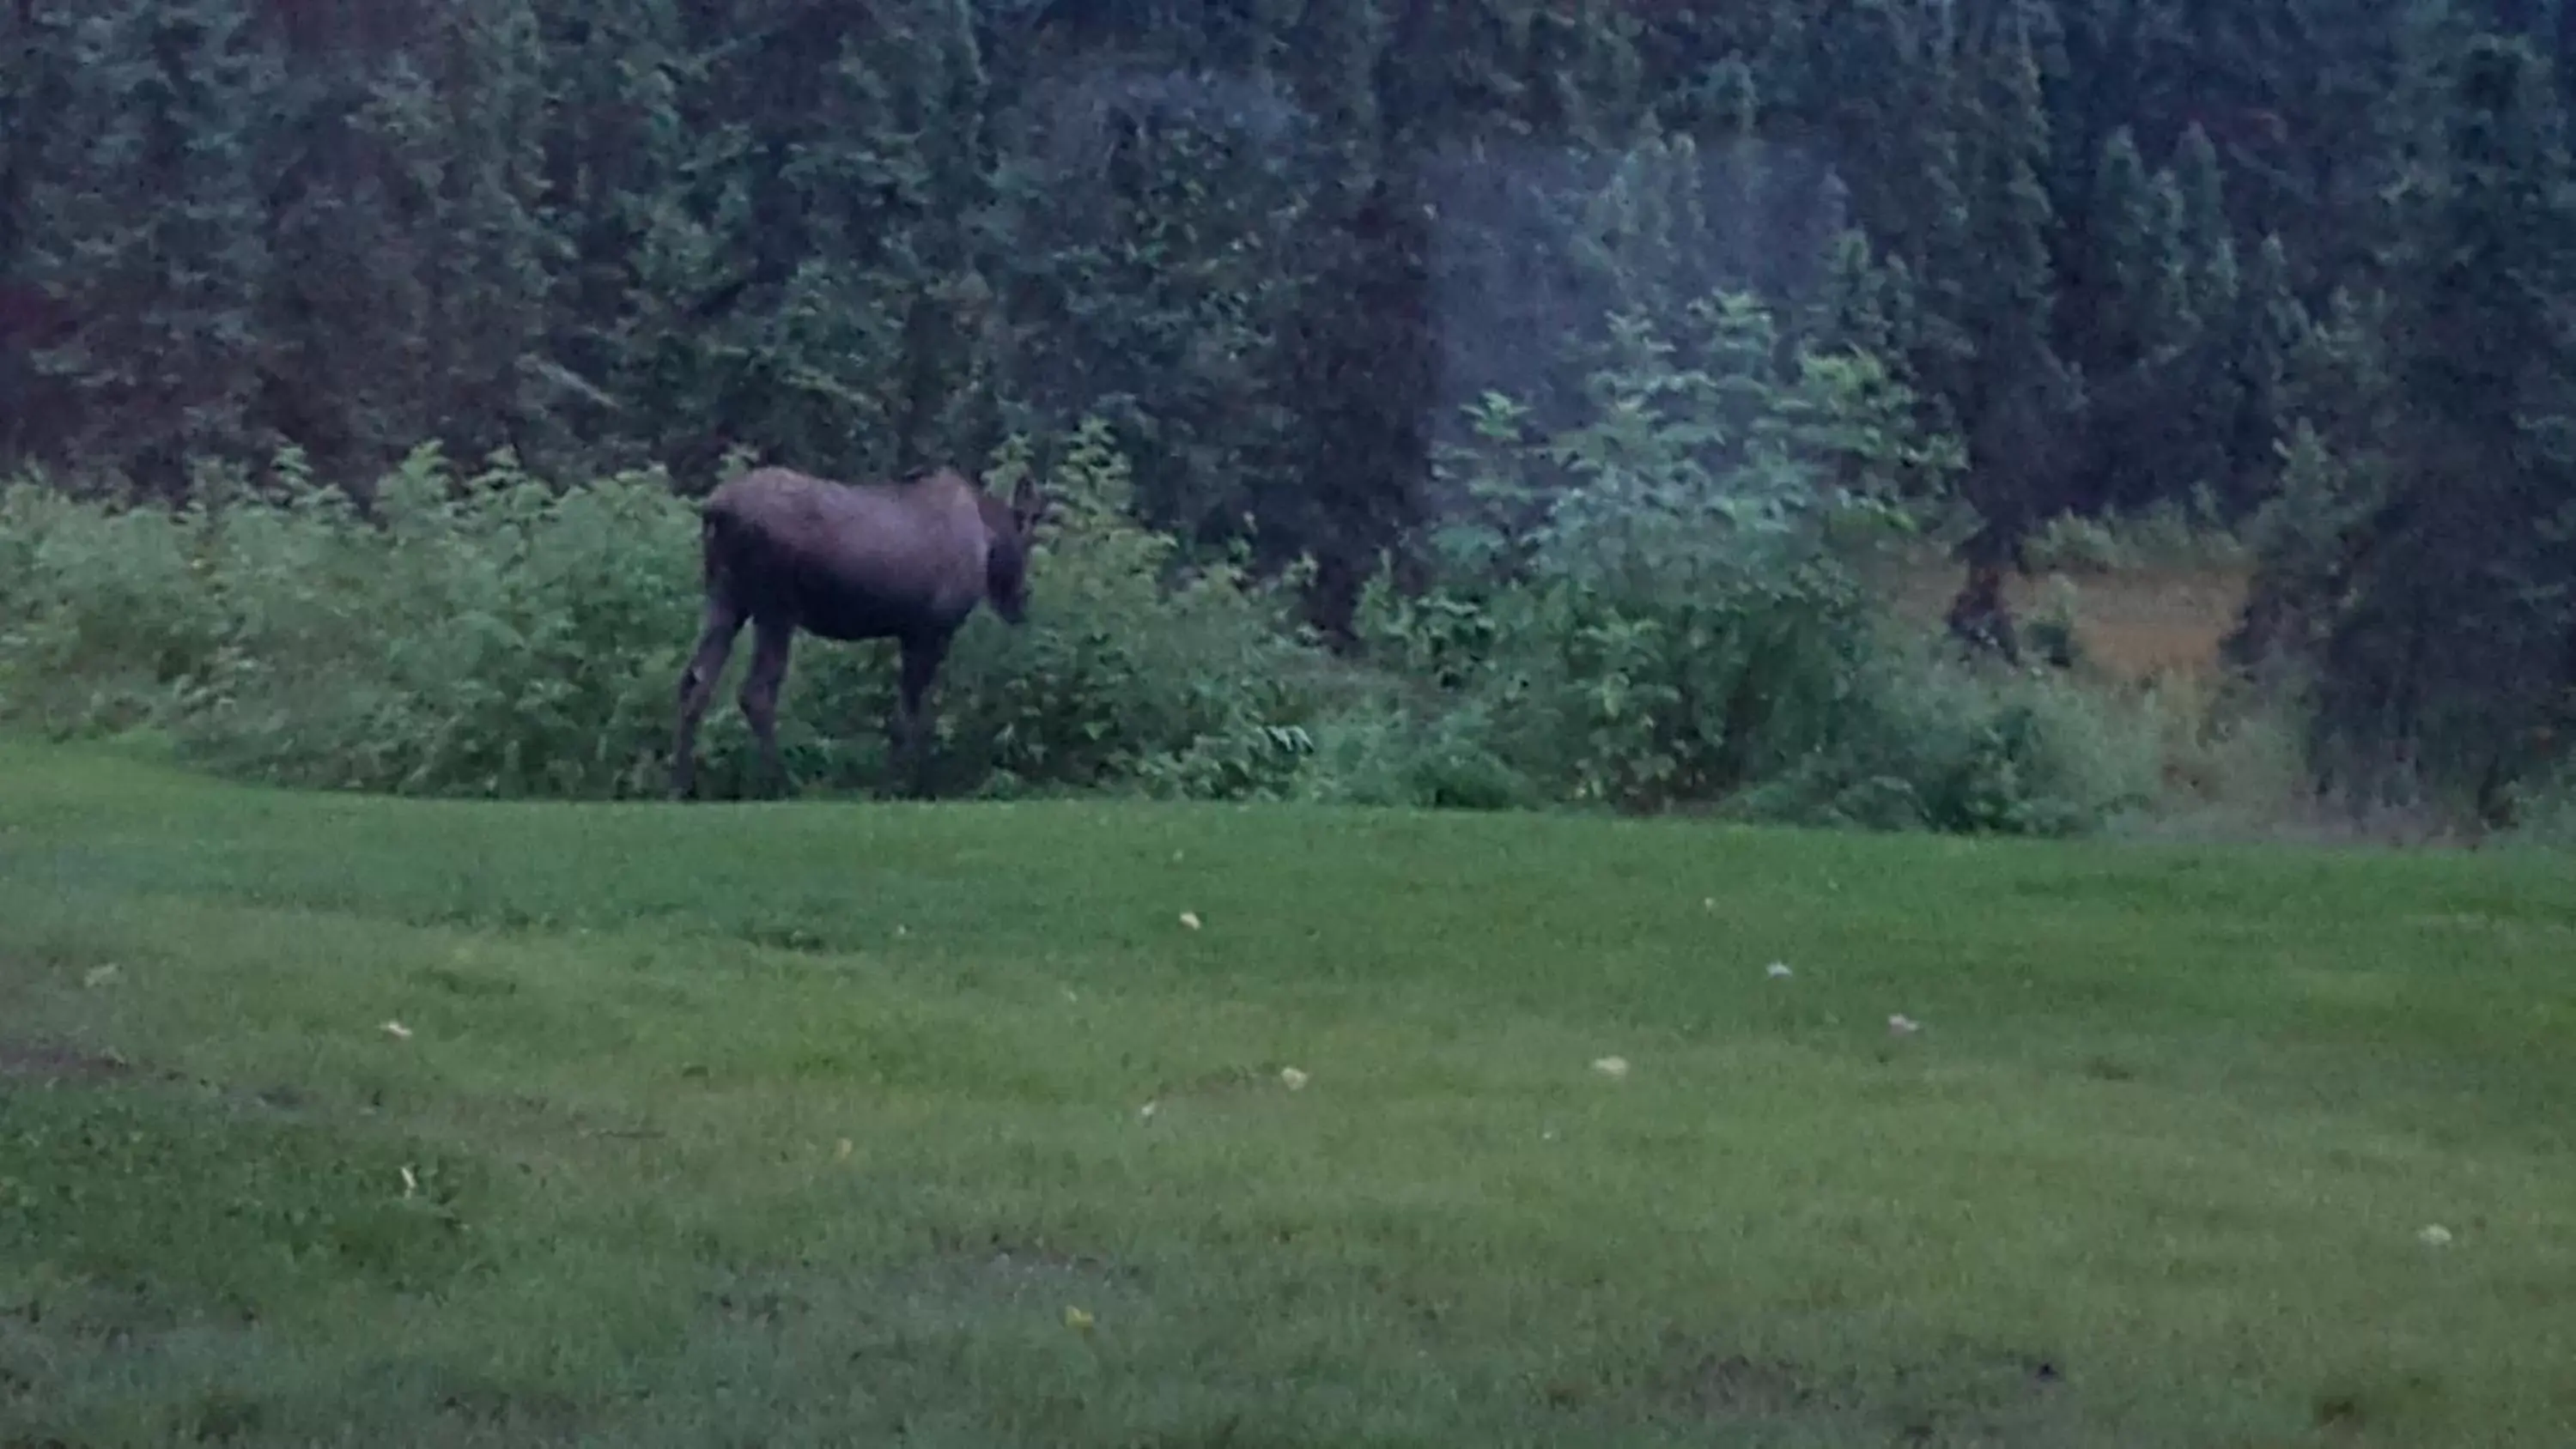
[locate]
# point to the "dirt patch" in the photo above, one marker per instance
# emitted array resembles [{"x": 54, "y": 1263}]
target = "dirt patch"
[
  {"x": 51, "y": 1062},
  {"x": 2134, "y": 624}
]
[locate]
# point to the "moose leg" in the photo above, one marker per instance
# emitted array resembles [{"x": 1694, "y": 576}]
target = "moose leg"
[
  {"x": 769, "y": 641},
  {"x": 698, "y": 689},
  {"x": 910, "y": 736}
]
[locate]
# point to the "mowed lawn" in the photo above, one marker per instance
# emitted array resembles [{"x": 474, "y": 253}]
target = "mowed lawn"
[{"x": 342, "y": 1121}]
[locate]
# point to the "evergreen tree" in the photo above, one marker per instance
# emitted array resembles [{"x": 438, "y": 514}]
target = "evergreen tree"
[
  {"x": 660, "y": 296},
  {"x": 2203, "y": 393},
  {"x": 2453, "y": 651},
  {"x": 1580, "y": 73},
  {"x": 30, "y": 72},
  {"x": 2269, "y": 326},
  {"x": 1881, "y": 112},
  {"x": 2126, "y": 302},
  {"x": 148, "y": 231},
  {"x": 861, "y": 313},
  {"x": 343, "y": 309},
  {"x": 2136, "y": 295},
  {"x": 1862, "y": 306},
  {"x": 1354, "y": 375},
  {"x": 2210, "y": 277},
  {"x": 1939, "y": 242},
  {"x": 2018, "y": 400},
  {"x": 489, "y": 266}
]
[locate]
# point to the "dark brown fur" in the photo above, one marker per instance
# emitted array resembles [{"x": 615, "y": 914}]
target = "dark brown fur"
[{"x": 907, "y": 561}]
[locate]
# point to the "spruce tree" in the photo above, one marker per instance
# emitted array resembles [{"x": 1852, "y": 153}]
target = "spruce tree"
[
  {"x": 2135, "y": 350},
  {"x": 2021, "y": 402},
  {"x": 2452, "y": 656},
  {"x": 490, "y": 270},
  {"x": 148, "y": 233},
  {"x": 2117, "y": 296},
  {"x": 2269, "y": 327},
  {"x": 650, "y": 176},
  {"x": 2211, "y": 275},
  {"x": 2203, "y": 394},
  {"x": 31, "y": 69},
  {"x": 1856, "y": 309}
]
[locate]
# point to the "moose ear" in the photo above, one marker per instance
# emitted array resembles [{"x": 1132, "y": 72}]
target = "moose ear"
[{"x": 1027, "y": 503}]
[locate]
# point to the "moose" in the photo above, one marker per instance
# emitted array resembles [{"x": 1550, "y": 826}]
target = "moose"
[{"x": 907, "y": 560}]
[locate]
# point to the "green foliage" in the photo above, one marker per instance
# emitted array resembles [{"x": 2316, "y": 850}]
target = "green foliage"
[
  {"x": 1660, "y": 606},
  {"x": 2170, "y": 535},
  {"x": 2450, "y": 660},
  {"x": 489, "y": 634},
  {"x": 2543, "y": 810},
  {"x": 102, "y": 613},
  {"x": 2303, "y": 547},
  {"x": 494, "y": 634},
  {"x": 2110, "y": 257},
  {"x": 1656, "y": 609},
  {"x": 145, "y": 227},
  {"x": 1125, "y": 675}
]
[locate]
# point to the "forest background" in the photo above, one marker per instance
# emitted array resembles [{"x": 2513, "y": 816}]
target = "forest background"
[{"x": 1448, "y": 402}]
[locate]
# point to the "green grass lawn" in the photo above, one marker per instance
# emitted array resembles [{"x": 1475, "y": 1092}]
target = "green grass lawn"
[{"x": 829, "y": 1123}]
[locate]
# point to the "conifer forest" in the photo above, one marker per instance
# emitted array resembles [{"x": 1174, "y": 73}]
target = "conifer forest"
[{"x": 1448, "y": 402}]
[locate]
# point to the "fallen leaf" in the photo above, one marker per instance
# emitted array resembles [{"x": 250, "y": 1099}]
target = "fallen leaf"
[
  {"x": 1077, "y": 1319},
  {"x": 98, "y": 976},
  {"x": 1779, "y": 971},
  {"x": 2435, "y": 1235},
  {"x": 1611, "y": 1066},
  {"x": 397, "y": 1031},
  {"x": 1146, "y": 1112},
  {"x": 1190, "y": 919},
  {"x": 843, "y": 1148},
  {"x": 1295, "y": 1079},
  {"x": 1902, "y": 1025},
  {"x": 411, "y": 1184}
]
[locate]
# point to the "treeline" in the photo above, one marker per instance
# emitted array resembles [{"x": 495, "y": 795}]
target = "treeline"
[{"x": 2305, "y": 267}]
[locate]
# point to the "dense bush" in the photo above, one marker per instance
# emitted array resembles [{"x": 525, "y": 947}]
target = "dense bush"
[
  {"x": 1659, "y": 607},
  {"x": 1662, "y": 608},
  {"x": 498, "y": 635}
]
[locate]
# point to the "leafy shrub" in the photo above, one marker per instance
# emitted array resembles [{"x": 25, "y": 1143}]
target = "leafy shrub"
[
  {"x": 2544, "y": 810},
  {"x": 1644, "y": 610},
  {"x": 1931, "y": 742},
  {"x": 2049, "y": 632},
  {"x": 1659, "y": 606},
  {"x": 102, "y": 614},
  {"x": 1191, "y": 686},
  {"x": 1662, "y": 606},
  {"x": 498, "y": 635},
  {"x": 1384, "y": 754},
  {"x": 2166, "y": 535}
]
